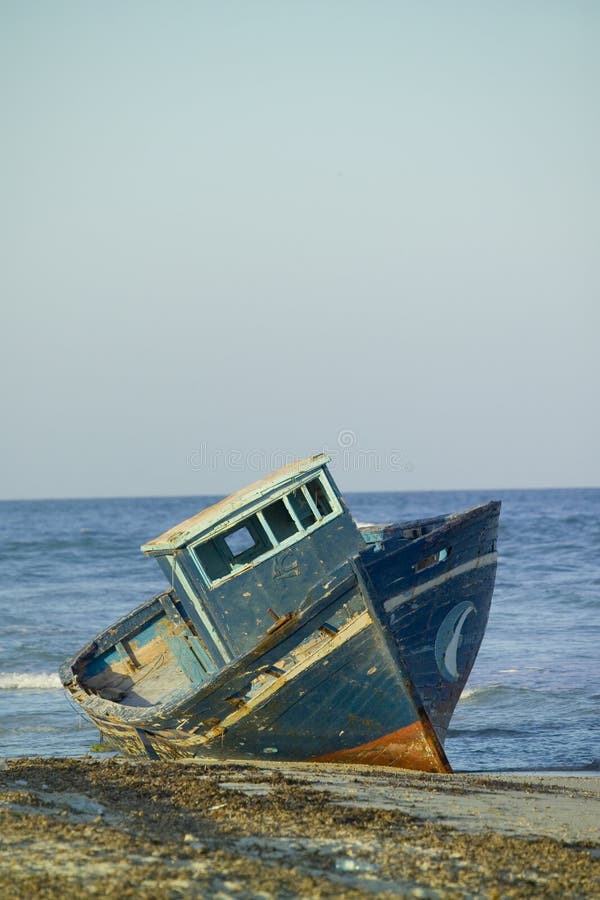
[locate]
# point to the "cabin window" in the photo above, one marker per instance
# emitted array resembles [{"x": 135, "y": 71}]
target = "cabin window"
[
  {"x": 279, "y": 520},
  {"x": 261, "y": 534},
  {"x": 319, "y": 497},
  {"x": 245, "y": 542},
  {"x": 301, "y": 507},
  {"x": 237, "y": 547},
  {"x": 239, "y": 541},
  {"x": 212, "y": 561}
]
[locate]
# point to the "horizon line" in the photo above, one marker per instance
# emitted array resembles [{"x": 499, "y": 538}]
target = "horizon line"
[{"x": 221, "y": 494}]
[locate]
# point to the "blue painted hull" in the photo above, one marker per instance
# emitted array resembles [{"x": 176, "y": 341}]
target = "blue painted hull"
[
  {"x": 436, "y": 615},
  {"x": 368, "y": 669}
]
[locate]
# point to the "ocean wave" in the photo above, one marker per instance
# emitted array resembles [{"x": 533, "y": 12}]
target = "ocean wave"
[
  {"x": 508, "y": 693},
  {"x": 476, "y": 693},
  {"x": 468, "y": 692},
  {"x": 29, "y": 681},
  {"x": 488, "y": 731}
]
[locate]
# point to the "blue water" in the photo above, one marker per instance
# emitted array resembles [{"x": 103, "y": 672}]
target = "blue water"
[{"x": 71, "y": 567}]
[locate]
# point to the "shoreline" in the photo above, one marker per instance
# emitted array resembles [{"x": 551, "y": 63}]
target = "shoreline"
[{"x": 117, "y": 828}]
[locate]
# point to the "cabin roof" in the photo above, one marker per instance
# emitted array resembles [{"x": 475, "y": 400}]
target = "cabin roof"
[{"x": 209, "y": 518}]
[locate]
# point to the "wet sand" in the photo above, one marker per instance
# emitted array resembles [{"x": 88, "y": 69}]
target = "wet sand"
[{"x": 115, "y": 828}]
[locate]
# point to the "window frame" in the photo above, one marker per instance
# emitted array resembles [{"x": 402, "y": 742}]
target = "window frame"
[
  {"x": 255, "y": 534},
  {"x": 257, "y": 510}
]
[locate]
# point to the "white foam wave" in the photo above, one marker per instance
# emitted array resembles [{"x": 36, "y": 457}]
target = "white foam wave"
[
  {"x": 471, "y": 693},
  {"x": 468, "y": 692},
  {"x": 29, "y": 681}
]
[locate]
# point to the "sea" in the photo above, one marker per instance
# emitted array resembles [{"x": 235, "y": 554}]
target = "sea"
[{"x": 72, "y": 567}]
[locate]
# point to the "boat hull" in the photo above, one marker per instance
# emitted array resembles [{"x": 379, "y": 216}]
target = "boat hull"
[
  {"x": 328, "y": 683},
  {"x": 432, "y": 595},
  {"x": 368, "y": 670}
]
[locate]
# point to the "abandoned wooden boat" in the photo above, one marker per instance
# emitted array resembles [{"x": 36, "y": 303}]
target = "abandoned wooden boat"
[{"x": 290, "y": 631}]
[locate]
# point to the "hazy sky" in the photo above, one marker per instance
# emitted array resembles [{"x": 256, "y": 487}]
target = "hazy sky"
[{"x": 235, "y": 231}]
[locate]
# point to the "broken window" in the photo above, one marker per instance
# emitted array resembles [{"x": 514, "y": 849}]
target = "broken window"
[
  {"x": 212, "y": 561},
  {"x": 301, "y": 507},
  {"x": 260, "y": 535},
  {"x": 237, "y": 547},
  {"x": 319, "y": 497},
  {"x": 245, "y": 542},
  {"x": 279, "y": 520},
  {"x": 239, "y": 541}
]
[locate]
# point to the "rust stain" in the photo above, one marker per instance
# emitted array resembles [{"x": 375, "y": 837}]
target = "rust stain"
[{"x": 407, "y": 748}]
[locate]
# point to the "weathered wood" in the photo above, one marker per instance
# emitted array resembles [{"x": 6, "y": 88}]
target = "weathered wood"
[{"x": 308, "y": 639}]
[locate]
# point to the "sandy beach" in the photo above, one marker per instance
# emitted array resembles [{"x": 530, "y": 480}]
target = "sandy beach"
[{"x": 115, "y": 828}]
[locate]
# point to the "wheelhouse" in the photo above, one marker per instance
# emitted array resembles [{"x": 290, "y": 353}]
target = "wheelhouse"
[
  {"x": 236, "y": 560},
  {"x": 268, "y": 530}
]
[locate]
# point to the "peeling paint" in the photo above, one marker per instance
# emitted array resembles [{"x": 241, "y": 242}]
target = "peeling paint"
[{"x": 324, "y": 651}]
